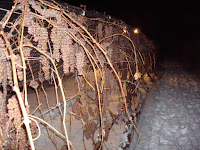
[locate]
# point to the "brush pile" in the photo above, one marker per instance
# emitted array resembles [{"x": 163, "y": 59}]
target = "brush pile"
[{"x": 42, "y": 41}]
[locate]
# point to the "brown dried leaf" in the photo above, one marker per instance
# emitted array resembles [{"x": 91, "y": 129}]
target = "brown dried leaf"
[
  {"x": 148, "y": 80},
  {"x": 96, "y": 110},
  {"x": 89, "y": 129},
  {"x": 114, "y": 117},
  {"x": 77, "y": 110},
  {"x": 107, "y": 129},
  {"x": 64, "y": 147},
  {"x": 34, "y": 84},
  {"x": 91, "y": 112},
  {"x": 136, "y": 101},
  {"x": 137, "y": 75},
  {"x": 143, "y": 91},
  {"x": 120, "y": 108},
  {"x": 84, "y": 114}
]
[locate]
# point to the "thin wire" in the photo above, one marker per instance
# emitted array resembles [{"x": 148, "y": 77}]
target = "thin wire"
[{"x": 9, "y": 10}]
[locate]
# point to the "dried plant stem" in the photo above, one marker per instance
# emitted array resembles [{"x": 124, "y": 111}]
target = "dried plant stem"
[
  {"x": 52, "y": 108},
  {"x": 88, "y": 82},
  {"x": 61, "y": 88},
  {"x": 83, "y": 138},
  {"x": 57, "y": 99},
  {"x": 112, "y": 67},
  {"x": 56, "y": 131},
  {"x": 86, "y": 39},
  {"x": 39, "y": 107},
  {"x": 22, "y": 55},
  {"x": 133, "y": 49},
  {"x": 46, "y": 97},
  {"x": 4, "y": 86},
  {"x": 123, "y": 94},
  {"x": 55, "y": 84},
  {"x": 41, "y": 120},
  {"x": 49, "y": 5},
  {"x": 17, "y": 90},
  {"x": 49, "y": 21},
  {"x": 37, "y": 127},
  {"x": 129, "y": 66},
  {"x": 110, "y": 23},
  {"x": 91, "y": 58},
  {"x": 101, "y": 57},
  {"x": 11, "y": 12},
  {"x": 143, "y": 61}
]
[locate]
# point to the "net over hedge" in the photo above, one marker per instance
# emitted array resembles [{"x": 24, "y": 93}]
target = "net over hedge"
[{"x": 45, "y": 40}]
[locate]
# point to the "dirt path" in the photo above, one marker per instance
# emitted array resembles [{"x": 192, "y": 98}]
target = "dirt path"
[{"x": 170, "y": 118}]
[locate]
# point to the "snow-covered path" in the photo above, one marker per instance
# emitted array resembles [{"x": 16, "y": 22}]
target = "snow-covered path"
[{"x": 170, "y": 118}]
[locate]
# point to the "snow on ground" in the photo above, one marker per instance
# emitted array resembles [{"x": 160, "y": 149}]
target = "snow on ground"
[{"x": 170, "y": 118}]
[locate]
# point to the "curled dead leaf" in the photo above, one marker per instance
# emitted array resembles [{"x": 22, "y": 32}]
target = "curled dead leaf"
[{"x": 137, "y": 75}]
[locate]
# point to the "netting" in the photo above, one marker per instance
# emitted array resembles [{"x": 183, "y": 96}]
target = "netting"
[{"x": 44, "y": 41}]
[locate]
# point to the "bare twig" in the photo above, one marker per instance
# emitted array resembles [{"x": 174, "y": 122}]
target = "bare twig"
[{"x": 17, "y": 90}]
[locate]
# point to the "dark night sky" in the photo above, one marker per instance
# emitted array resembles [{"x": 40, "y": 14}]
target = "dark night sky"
[{"x": 174, "y": 26}]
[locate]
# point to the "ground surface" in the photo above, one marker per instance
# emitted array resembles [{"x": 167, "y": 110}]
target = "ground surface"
[
  {"x": 74, "y": 127},
  {"x": 170, "y": 118}
]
